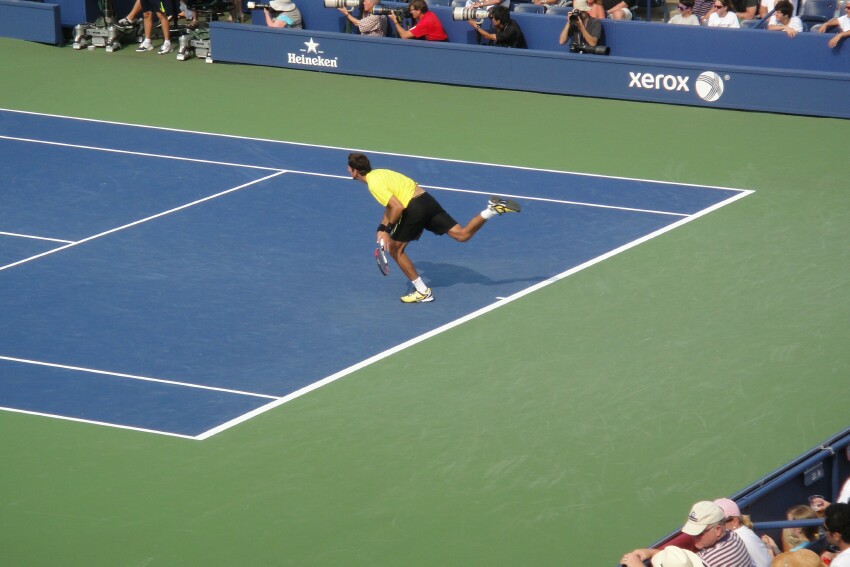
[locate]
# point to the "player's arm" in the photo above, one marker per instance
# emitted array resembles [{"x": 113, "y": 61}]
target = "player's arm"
[{"x": 392, "y": 214}]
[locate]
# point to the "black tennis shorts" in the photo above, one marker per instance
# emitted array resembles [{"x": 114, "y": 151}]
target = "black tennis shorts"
[{"x": 422, "y": 212}]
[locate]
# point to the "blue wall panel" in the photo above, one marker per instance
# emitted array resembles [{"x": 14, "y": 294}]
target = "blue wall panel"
[
  {"x": 30, "y": 21},
  {"x": 559, "y": 72}
]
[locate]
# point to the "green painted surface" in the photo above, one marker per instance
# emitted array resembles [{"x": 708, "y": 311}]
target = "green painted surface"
[{"x": 563, "y": 429}]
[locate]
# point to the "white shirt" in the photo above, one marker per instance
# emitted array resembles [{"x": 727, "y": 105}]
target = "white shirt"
[
  {"x": 730, "y": 20},
  {"x": 680, "y": 20},
  {"x": 842, "y": 559},
  {"x": 844, "y": 495},
  {"x": 795, "y": 23},
  {"x": 755, "y": 546}
]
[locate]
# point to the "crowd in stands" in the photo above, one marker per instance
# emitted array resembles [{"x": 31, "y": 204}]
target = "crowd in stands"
[
  {"x": 584, "y": 30},
  {"x": 716, "y": 534}
]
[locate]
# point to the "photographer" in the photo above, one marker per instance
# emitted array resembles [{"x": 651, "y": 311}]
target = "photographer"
[
  {"x": 369, "y": 23},
  {"x": 427, "y": 27},
  {"x": 506, "y": 32},
  {"x": 282, "y": 15},
  {"x": 582, "y": 29}
]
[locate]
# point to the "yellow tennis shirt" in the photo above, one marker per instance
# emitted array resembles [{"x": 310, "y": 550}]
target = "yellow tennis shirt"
[{"x": 385, "y": 183}]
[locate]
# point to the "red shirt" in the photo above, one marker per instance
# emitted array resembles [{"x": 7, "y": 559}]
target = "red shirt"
[{"x": 429, "y": 27}]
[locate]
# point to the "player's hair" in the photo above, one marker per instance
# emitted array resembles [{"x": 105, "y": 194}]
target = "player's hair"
[
  {"x": 688, "y": 3},
  {"x": 420, "y": 5},
  {"x": 359, "y": 163}
]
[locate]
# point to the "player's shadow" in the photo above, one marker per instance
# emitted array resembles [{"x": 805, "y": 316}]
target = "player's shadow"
[{"x": 451, "y": 274}]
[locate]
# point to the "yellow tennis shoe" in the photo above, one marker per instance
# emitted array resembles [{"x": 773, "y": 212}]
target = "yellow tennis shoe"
[{"x": 418, "y": 297}]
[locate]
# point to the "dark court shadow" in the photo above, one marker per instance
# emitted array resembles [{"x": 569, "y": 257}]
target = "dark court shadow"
[{"x": 448, "y": 275}]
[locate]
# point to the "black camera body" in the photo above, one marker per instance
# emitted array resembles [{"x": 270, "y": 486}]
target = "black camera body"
[
  {"x": 400, "y": 13},
  {"x": 573, "y": 17},
  {"x": 592, "y": 49}
]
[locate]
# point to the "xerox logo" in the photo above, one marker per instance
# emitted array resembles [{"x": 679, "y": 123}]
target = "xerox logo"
[
  {"x": 666, "y": 82},
  {"x": 708, "y": 85}
]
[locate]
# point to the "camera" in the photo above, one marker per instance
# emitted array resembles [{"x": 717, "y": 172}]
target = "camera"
[
  {"x": 462, "y": 14},
  {"x": 593, "y": 49},
  {"x": 573, "y": 17},
  {"x": 342, "y": 3},
  {"x": 400, "y": 13},
  {"x": 258, "y": 6}
]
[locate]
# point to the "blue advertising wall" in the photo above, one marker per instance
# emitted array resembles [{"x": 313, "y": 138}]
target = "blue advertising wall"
[
  {"x": 30, "y": 21},
  {"x": 687, "y": 82}
]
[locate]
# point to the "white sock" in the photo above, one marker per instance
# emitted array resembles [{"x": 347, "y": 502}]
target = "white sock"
[
  {"x": 419, "y": 285},
  {"x": 488, "y": 213},
  {"x": 166, "y": 44}
]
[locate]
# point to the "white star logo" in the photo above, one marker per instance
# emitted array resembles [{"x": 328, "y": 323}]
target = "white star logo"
[{"x": 311, "y": 46}]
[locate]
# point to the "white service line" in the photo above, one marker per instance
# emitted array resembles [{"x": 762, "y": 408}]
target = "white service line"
[
  {"x": 134, "y": 153},
  {"x": 140, "y": 221},
  {"x": 35, "y": 237},
  {"x": 135, "y": 377}
]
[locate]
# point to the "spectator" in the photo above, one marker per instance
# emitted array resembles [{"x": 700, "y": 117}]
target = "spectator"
[
  {"x": 131, "y": 17},
  {"x": 817, "y": 502},
  {"x": 843, "y": 24},
  {"x": 802, "y": 558},
  {"x": 670, "y": 556},
  {"x": 369, "y": 23},
  {"x": 723, "y": 16},
  {"x": 794, "y": 538},
  {"x": 283, "y": 14},
  {"x": 686, "y": 16},
  {"x": 736, "y": 522},
  {"x": 427, "y": 27},
  {"x": 746, "y": 9},
  {"x": 548, "y": 3},
  {"x": 716, "y": 546},
  {"x": 148, "y": 8},
  {"x": 702, "y": 8},
  {"x": 766, "y": 6},
  {"x": 617, "y": 9},
  {"x": 785, "y": 20},
  {"x": 836, "y": 523},
  {"x": 488, "y": 4},
  {"x": 595, "y": 8},
  {"x": 506, "y": 32},
  {"x": 581, "y": 28}
]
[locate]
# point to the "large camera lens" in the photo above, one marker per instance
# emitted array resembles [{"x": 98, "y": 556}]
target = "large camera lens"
[
  {"x": 462, "y": 14},
  {"x": 342, "y": 3}
]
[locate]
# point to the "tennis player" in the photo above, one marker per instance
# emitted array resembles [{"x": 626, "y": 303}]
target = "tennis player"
[{"x": 410, "y": 210}]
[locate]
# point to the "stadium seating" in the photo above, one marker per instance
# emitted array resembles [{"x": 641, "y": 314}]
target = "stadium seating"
[
  {"x": 529, "y": 8},
  {"x": 558, "y": 10},
  {"x": 817, "y": 11}
]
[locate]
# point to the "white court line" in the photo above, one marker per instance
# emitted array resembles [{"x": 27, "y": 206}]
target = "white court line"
[
  {"x": 35, "y": 237},
  {"x": 523, "y": 197},
  {"x": 133, "y": 153},
  {"x": 336, "y": 376},
  {"x": 140, "y": 221},
  {"x": 93, "y": 422},
  {"x": 135, "y": 377},
  {"x": 307, "y": 145},
  {"x": 416, "y": 340}
]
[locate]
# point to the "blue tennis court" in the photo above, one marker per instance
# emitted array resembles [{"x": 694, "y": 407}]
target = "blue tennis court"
[{"x": 180, "y": 282}]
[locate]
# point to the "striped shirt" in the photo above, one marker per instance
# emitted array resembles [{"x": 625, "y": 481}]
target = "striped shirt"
[{"x": 729, "y": 551}]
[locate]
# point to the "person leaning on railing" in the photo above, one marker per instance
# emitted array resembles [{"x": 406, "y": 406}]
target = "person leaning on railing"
[{"x": 843, "y": 23}]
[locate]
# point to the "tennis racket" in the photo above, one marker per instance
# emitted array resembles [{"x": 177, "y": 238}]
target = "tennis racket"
[{"x": 381, "y": 259}]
